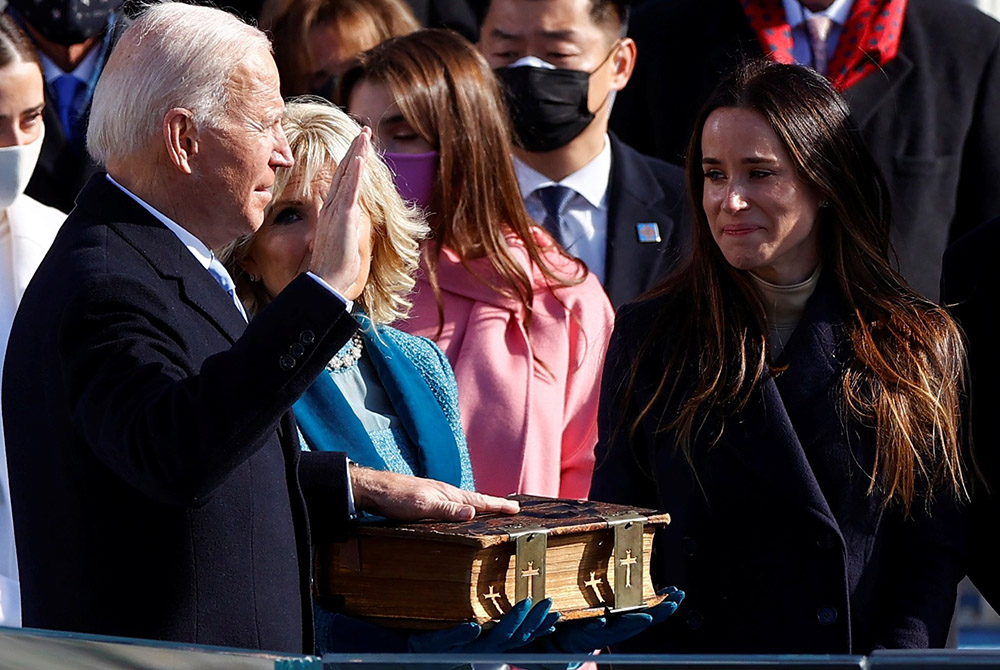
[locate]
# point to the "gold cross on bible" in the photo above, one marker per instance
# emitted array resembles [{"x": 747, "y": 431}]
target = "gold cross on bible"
[
  {"x": 627, "y": 563},
  {"x": 530, "y": 573},
  {"x": 493, "y": 597},
  {"x": 593, "y": 584}
]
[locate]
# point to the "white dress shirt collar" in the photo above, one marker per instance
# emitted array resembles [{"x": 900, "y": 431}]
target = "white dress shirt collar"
[
  {"x": 200, "y": 250},
  {"x": 84, "y": 71},
  {"x": 197, "y": 248},
  {"x": 590, "y": 181}
]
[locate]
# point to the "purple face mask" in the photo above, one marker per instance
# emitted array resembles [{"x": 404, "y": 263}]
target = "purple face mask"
[{"x": 415, "y": 174}]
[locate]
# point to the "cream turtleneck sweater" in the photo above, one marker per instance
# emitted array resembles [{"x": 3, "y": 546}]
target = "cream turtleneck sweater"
[{"x": 783, "y": 308}]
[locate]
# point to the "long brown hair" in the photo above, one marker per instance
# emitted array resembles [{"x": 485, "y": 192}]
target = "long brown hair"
[
  {"x": 906, "y": 371},
  {"x": 448, "y": 94},
  {"x": 15, "y": 47}
]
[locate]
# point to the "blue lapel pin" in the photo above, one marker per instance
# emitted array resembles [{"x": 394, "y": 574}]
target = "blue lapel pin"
[{"x": 648, "y": 232}]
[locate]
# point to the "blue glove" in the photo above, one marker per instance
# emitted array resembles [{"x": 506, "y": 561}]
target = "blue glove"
[
  {"x": 521, "y": 626},
  {"x": 586, "y": 635}
]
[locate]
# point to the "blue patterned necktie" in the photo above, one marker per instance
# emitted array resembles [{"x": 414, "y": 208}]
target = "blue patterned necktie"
[
  {"x": 68, "y": 88},
  {"x": 218, "y": 271},
  {"x": 554, "y": 200}
]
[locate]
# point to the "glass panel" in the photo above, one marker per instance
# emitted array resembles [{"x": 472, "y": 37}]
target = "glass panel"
[{"x": 28, "y": 649}]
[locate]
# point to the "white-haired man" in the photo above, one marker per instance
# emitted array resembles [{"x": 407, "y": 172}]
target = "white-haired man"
[{"x": 156, "y": 479}]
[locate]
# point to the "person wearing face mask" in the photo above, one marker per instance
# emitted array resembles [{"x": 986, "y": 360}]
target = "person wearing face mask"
[
  {"x": 387, "y": 399},
  {"x": 27, "y": 228},
  {"x": 923, "y": 90},
  {"x": 73, "y": 39},
  {"x": 523, "y": 324},
  {"x": 561, "y": 63}
]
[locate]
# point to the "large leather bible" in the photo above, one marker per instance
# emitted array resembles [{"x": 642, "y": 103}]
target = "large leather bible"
[{"x": 589, "y": 557}]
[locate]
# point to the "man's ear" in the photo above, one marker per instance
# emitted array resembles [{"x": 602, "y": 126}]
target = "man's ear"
[
  {"x": 622, "y": 63},
  {"x": 181, "y": 137}
]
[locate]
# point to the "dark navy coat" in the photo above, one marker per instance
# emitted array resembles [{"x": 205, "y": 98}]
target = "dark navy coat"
[
  {"x": 970, "y": 287},
  {"x": 155, "y": 473},
  {"x": 777, "y": 543}
]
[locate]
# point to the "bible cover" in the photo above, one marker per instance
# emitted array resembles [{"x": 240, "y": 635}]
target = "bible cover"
[{"x": 589, "y": 557}]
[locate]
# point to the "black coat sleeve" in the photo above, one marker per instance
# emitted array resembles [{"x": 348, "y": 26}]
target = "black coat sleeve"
[{"x": 171, "y": 432}]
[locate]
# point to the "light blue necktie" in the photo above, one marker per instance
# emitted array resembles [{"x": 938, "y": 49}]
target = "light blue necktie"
[
  {"x": 554, "y": 199},
  {"x": 68, "y": 88},
  {"x": 218, "y": 271}
]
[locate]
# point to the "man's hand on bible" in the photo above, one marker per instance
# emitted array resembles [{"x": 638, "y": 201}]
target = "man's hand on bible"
[{"x": 406, "y": 498}]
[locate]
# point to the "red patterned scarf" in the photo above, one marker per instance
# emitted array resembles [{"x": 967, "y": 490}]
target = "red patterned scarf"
[{"x": 868, "y": 41}]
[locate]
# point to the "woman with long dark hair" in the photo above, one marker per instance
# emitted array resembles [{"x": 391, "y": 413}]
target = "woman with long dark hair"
[
  {"x": 787, "y": 397},
  {"x": 524, "y": 325}
]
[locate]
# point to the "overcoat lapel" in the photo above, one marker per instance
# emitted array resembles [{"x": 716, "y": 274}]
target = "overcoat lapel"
[
  {"x": 636, "y": 197},
  {"x": 877, "y": 89},
  {"x": 164, "y": 252},
  {"x": 766, "y": 443},
  {"x": 788, "y": 413}
]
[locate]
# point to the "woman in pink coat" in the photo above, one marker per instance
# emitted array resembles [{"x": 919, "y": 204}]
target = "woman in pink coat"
[{"x": 524, "y": 324}]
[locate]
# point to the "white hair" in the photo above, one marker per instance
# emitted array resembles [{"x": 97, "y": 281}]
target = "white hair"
[{"x": 172, "y": 55}]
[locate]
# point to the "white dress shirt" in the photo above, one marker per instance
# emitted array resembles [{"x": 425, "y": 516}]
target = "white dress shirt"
[
  {"x": 796, "y": 14},
  {"x": 587, "y": 211}
]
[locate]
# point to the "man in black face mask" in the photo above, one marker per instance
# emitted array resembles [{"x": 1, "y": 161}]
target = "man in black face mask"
[
  {"x": 73, "y": 39},
  {"x": 561, "y": 63}
]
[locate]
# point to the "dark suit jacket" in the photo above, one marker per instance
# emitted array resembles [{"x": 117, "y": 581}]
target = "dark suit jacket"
[
  {"x": 154, "y": 465},
  {"x": 458, "y": 15},
  {"x": 930, "y": 118},
  {"x": 776, "y": 542},
  {"x": 643, "y": 189},
  {"x": 970, "y": 286}
]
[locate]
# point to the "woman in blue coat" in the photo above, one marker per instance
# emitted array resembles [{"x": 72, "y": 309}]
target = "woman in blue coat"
[
  {"x": 388, "y": 399},
  {"x": 788, "y": 398}
]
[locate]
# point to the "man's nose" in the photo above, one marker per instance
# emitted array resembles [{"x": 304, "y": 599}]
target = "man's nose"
[{"x": 281, "y": 156}]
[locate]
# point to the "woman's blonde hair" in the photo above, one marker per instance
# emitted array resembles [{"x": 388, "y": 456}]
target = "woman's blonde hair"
[{"x": 319, "y": 135}]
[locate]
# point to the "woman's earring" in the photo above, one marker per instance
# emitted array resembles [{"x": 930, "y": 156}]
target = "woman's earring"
[{"x": 824, "y": 203}]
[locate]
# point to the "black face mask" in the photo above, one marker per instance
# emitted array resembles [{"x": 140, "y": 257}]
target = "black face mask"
[
  {"x": 547, "y": 107},
  {"x": 66, "y": 22}
]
